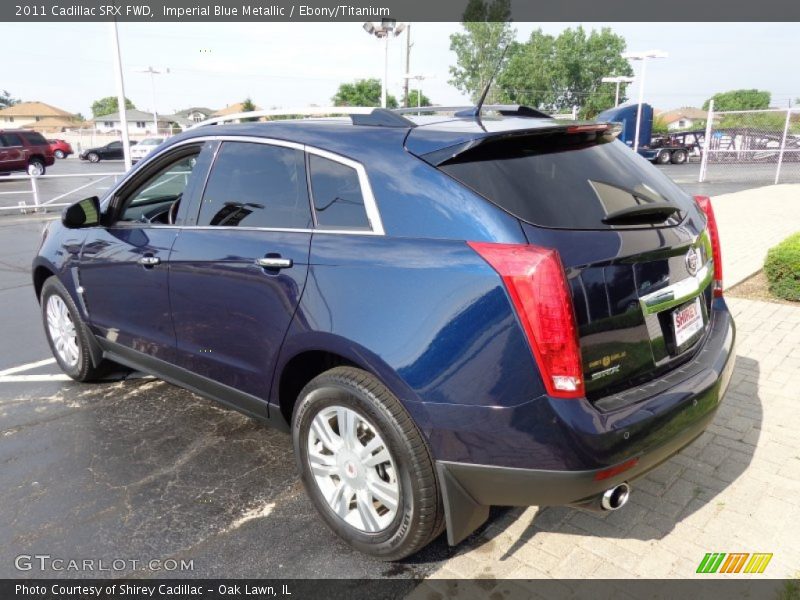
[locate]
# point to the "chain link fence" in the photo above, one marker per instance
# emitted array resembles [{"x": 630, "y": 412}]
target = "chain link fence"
[{"x": 758, "y": 146}]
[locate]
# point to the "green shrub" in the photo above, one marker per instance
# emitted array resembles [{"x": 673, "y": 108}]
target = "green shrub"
[{"x": 782, "y": 268}]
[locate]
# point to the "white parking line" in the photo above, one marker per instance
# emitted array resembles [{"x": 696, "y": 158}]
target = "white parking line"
[
  {"x": 27, "y": 367},
  {"x": 27, "y": 378}
]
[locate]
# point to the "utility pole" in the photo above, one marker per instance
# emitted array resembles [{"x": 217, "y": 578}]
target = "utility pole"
[
  {"x": 408, "y": 65},
  {"x": 126, "y": 145}
]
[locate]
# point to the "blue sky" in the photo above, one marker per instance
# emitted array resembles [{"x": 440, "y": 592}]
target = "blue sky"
[{"x": 293, "y": 64}]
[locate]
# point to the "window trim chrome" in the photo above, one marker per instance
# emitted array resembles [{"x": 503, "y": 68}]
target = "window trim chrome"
[{"x": 370, "y": 203}]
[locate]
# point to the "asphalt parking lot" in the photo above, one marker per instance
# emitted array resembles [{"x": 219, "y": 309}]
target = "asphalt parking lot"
[{"x": 138, "y": 470}]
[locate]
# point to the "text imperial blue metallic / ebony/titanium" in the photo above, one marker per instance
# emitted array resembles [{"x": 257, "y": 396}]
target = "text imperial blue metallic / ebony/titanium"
[{"x": 447, "y": 313}]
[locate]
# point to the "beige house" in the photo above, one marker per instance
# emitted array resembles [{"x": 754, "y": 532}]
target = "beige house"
[
  {"x": 683, "y": 118},
  {"x": 29, "y": 114}
]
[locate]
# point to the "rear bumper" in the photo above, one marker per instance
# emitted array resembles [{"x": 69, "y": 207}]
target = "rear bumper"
[{"x": 650, "y": 432}]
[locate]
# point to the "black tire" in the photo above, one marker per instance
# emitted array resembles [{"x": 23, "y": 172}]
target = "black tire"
[
  {"x": 60, "y": 154},
  {"x": 83, "y": 370},
  {"x": 93, "y": 157},
  {"x": 663, "y": 157},
  {"x": 419, "y": 516},
  {"x": 679, "y": 157},
  {"x": 37, "y": 165}
]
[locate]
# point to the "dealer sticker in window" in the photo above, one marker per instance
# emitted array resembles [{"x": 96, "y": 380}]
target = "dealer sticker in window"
[{"x": 687, "y": 321}]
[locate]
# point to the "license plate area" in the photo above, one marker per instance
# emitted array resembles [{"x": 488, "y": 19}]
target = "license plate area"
[{"x": 688, "y": 323}]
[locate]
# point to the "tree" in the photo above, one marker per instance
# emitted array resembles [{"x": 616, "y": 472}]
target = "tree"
[
  {"x": 6, "y": 100},
  {"x": 413, "y": 101},
  {"x": 248, "y": 106},
  {"x": 362, "y": 92},
  {"x": 487, "y": 32},
  {"x": 740, "y": 100},
  {"x": 556, "y": 73},
  {"x": 109, "y": 105}
]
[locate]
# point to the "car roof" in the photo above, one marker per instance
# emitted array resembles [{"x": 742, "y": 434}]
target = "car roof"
[{"x": 423, "y": 134}]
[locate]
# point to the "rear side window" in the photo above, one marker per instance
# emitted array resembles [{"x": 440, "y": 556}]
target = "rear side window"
[
  {"x": 336, "y": 189},
  {"x": 257, "y": 185},
  {"x": 36, "y": 139},
  {"x": 567, "y": 181}
]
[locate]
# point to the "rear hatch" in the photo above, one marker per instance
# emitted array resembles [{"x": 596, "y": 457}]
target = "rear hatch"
[{"x": 633, "y": 244}]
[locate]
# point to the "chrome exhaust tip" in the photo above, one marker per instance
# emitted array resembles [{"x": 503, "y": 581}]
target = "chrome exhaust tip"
[{"x": 616, "y": 497}]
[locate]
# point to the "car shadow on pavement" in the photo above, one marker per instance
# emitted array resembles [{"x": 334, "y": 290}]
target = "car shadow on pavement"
[{"x": 675, "y": 490}]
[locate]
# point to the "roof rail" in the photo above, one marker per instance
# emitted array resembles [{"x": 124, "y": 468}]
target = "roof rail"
[
  {"x": 508, "y": 110},
  {"x": 360, "y": 115}
]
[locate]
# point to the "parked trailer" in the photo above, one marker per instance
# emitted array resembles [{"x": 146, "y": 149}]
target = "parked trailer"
[{"x": 659, "y": 149}]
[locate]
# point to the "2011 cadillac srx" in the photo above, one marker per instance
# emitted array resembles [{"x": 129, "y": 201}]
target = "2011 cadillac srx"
[{"x": 446, "y": 312}]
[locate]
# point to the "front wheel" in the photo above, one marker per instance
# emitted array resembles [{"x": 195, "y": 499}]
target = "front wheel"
[
  {"x": 59, "y": 154},
  {"x": 365, "y": 465},
  {"x": 67, "y": 334},
  {"x": 93, "y": 157}
]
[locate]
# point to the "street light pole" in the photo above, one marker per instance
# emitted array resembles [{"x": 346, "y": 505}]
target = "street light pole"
[
  {"x": 617, "y": 79},
  {"x": 126, "y": 144},
  {"x": 387, "y": 28},
  {"x": 419, "y": 77},
  {"x": 642, "y": 56},
  {"x": 153, "y": 72}
]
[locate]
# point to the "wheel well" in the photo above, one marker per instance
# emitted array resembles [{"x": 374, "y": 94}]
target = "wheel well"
[
  {"x": 299, "y": 371},
  {"x": 40, "y": 275},
  {"x": 38, "y": 157}
]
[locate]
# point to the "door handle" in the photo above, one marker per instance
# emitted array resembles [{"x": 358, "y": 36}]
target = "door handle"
[
  {"x": 274, "y": 262},
  {"x": 149, "y": 261}
]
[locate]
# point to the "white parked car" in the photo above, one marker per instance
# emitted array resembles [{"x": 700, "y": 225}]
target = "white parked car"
[{"x": 143, "y": 148}]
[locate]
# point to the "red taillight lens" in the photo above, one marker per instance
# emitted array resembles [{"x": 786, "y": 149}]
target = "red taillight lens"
[
  {"x": 704, "y": 202},
  {"x": 537, "y": 285},
  {"x": 616, "y": 470}
]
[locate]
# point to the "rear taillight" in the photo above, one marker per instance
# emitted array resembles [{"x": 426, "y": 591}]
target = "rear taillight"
[
  {"x": 704, "y": 202},
  {"x": 537, "y": 285}
]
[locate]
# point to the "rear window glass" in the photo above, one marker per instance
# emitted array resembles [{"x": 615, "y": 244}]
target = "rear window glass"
[{"x": 565, "y": 180}]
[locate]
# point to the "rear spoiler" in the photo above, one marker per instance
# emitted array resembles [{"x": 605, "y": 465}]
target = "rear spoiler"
[{"x": 449, "y": 153}]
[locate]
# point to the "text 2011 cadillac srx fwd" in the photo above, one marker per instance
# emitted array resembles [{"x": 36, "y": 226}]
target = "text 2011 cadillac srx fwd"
[{"x": 447, "y": 312}]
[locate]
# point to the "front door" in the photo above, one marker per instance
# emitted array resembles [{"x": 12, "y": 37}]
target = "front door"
[
  {"x": 236, "y": 277},
  {"x": 124, "y": 265}
]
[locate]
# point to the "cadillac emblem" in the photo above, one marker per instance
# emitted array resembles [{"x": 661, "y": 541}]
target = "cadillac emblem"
[{"x": 692, "y": 261}]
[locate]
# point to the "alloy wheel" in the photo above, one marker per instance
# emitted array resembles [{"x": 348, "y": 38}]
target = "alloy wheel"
[
  {"x": 62, "y": 331},
  {"x": 353, "y": 468}
]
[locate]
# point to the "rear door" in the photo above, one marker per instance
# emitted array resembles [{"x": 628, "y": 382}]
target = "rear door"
[
  {"x": 113, "y": 150},
  {"x": 236, "y": 275},
  {"x": 632, "y": 243}
]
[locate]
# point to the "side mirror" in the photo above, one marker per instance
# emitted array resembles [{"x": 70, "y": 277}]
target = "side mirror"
[{"x": 84, "y": 213}]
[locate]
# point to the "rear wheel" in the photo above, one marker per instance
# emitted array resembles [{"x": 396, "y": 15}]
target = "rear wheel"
[
  {"x": 679, "y": 157},
  {"x": 67, "y": 334},
  {"x": 365, "y": 465},
  {"x": 36, "y": 167},
  {"x": 663, "y": 157}
]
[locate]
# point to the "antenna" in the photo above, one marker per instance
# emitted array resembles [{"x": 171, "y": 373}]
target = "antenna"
[{"x": 476, "y": 112}]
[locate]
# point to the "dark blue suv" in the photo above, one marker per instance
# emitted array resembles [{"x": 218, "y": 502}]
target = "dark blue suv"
[{"x": 448, "y": 313}]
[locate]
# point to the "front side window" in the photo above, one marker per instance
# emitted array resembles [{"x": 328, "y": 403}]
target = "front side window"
[
  {"x": 336, "y": 189},
  {"x": 257, "y": 185},
  {"x": 152, "y": 201}
]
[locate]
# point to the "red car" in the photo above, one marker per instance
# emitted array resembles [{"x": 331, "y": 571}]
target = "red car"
[
  {"x": 61, "y": 148},
  {"x": 22, "y": 150}
]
